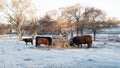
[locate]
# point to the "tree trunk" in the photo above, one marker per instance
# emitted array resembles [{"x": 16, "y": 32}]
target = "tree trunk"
[
  {"x": 94, "y": 31},
  {"x": 81, "y": 31},
  {"x": 20, "y": 34},
  {"x": 71, "y": 34},
  {"x": 77, "y": 32},
  {"x": 71, "y": 31},
  {"x": 82, "y": 27},
  {"x": 94, "y": 35}
]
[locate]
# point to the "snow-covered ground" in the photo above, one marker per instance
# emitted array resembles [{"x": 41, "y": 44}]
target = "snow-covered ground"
[{"x": 15, "y": 54}]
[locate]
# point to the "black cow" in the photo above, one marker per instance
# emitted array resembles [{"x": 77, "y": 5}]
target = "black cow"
[{"x": 26, "y": 40}]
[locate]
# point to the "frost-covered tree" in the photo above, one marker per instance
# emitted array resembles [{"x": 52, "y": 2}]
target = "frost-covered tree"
[
  {"x": 18, "y": 12},
  {"x": 95, "y": 19}
]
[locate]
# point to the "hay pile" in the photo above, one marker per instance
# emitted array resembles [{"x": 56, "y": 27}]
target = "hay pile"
[{"x": 60, "y": 42}]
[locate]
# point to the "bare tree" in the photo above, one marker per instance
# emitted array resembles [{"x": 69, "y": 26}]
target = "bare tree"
[
  {"x": 57, "y": 19},
  {"x": 46, "y": 24},
  {"x": 74, "y": 14},
  {"x": 18, "y": 11},
  {"x": 95, "y": 18},
  {"x": 59, "y": 24},
  {"x": 32, "y": 27}
]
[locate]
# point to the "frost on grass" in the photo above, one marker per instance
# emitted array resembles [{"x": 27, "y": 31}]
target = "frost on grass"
[{"x": 16, "y": 54}]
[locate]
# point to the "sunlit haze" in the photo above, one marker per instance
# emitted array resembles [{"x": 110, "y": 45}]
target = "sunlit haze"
[{"x": 111, "y": 7}]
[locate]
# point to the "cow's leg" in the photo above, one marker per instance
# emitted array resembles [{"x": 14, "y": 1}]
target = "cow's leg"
[
  {"x": 78, "y": 45},
  {"x": 31, "y": 42},
  {"x": 81, "y": 45},
  {"x": 26, "y": 43},
  {"x": 89, "y": 46}
]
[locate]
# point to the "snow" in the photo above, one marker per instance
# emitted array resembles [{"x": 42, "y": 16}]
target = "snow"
[{"x": 16, "y": 54}]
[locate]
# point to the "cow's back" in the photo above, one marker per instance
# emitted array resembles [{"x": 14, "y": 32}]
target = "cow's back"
[{"x": 87, "y": 39}]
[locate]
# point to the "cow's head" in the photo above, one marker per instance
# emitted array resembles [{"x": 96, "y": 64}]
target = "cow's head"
[
  {"x": 23, "y": 39},
  {"x": 71, "y": 42}
]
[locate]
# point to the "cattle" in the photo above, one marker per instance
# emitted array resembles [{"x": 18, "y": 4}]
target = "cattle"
[
  {"x": 26, "y": 40},
  {"x": 44, "y": 41},
  {"x": 49, "y": 39},
  {"x": 79, "y": 40}
]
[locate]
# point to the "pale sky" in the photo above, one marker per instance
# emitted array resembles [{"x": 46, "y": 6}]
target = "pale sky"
[{"x": 111, "y": 7}]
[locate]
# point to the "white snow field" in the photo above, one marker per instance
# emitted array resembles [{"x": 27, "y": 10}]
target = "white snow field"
[{"x": 16, "y": 54}]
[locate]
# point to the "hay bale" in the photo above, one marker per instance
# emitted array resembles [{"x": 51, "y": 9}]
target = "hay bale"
[{"x": 60, "y": 42}]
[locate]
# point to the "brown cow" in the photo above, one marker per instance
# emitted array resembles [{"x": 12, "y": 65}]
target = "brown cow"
[
  {"x": 26, "y": 40},
  {"x": 79, "y": 40},
  {"x": 44, "y": 41}
]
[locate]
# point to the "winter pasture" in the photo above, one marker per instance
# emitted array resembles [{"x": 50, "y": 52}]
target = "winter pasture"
[{"x": 16, "y": 54}]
